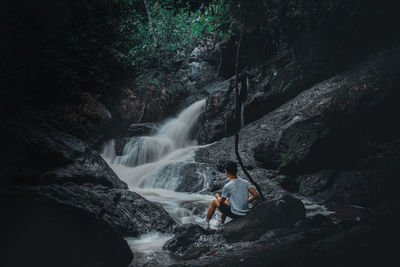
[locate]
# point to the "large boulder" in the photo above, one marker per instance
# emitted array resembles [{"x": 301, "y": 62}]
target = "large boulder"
[
  {"x": 38, "y": 231},
  {"x": 294, "y": 248},
  {"x": 84, "y": 117},
  {"x": 311, "y": 184},
  {"x": 277, "y": 81},
  {"x": 141, "y": 129},
  {"x": 279, "y": 213},
  {"x": 185, "y": 235},
  {"x": 198, "y": 177},
  {"x": 126, "y": 212},
  {"x": 294, "y": 136},
  {"x": 191, "y": 242},
  {"x": 36, "y": 153}
]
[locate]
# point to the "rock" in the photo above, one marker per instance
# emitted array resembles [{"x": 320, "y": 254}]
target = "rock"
[
  {"x": 317, "y": 182},
  {"x": 187, "y": 177},
  {"x": 85, "y": 118},
  {"x": 294, "y": 136},
  {"x": 185, "y": 235},
  {"x": 270, "y": 214},
  {"x": 314, "y": 222},
  {"x": 141, "y": 129},
  {"x": 42, "y": 155},
  {"x": 199, "y": 74},
  {"x": 38, "y": 231},
  {"x": 141, "y": 104},
  {"x": 199, "y": 177},
  {"x": 126, "y": 212},
  {"x": 271, "y": 85},
  {"x": 269, "y": 182},
  {"x": 367, "y": 182},
  {"x": 307, "y": 247},
  {"x": 179, "y": 90},
  {"x": 191, "y": 242}
]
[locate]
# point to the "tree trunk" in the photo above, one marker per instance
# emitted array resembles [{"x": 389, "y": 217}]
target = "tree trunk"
[{"x": 237, "y": 120}]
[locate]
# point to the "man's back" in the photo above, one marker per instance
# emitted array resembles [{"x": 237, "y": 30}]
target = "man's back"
[{"x": 237, "y": 192}]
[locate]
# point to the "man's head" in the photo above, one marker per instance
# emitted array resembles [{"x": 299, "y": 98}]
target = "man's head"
[{"x": 231, "y": 169}]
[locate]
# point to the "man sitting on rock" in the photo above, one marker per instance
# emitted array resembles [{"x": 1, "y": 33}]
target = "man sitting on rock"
[{"x": 237, "y": 191}]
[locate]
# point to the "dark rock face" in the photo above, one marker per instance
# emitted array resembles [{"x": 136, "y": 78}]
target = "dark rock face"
[
  {"x": 39, "y": 154},
  {"x": 139, "y": 105},
  {"x": 285, "y": 247},
  {"x": 185, "y": 236},
  {"x": 38, "y": 231},
  {"x": 279, "y": 213},
  {"x": 126, "y": 212},
  {"x": 317, "y": 182},
  {"x": 311, "y": 242},
  {"x": 268, "y": 87},
  {"x": 294, "y": 136},
  {"x": 141, "y": 129},
  {"x": 86, "y": 118}
]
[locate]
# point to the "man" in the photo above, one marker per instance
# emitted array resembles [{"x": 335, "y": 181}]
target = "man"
[{"x": 233, "y": 202}]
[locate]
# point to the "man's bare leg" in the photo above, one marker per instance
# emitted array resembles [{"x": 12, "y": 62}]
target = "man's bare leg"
[{"x": 211, "y": 209}]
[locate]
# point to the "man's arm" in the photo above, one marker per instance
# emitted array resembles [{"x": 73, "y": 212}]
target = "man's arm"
[
  {"x": 253, "y": 194},
  {"x": 219, "y": 198}
]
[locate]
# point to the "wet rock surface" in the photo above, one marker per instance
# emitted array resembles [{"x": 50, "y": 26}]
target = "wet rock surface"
[
  {"x": 74, "y": 206},
  {"x": 39, "y": 231},
  {"x": 277, "y": 81},
  {"x": 185, "y": 236},
  {"x": 293, "y": 137},
  {"x": 199, "y": 177},
  {"x": 141, "y": 129},
  {"x": 279, "y": 213},
  {"x": 126, "y": 212},
  {"x": 39, "y": 154},
  {"x": 85, "y": 118}
]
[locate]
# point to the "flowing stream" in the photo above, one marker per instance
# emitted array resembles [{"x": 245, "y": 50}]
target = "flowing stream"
[
  {"x": 160, "y": 168},
  {"x": 153, "y": 166}
]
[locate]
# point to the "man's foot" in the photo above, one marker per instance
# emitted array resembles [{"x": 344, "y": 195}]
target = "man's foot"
[
  {"x": 205, "y": 224},
  {"x": 220, "y": 225}
]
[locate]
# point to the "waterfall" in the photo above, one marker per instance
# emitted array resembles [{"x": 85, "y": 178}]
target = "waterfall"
[
  {"x": 174, "y": 134},
  {"x": 158, "y": 166}
]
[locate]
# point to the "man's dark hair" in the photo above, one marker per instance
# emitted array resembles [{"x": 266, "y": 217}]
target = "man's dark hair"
[{"x": 231, "y": 167}]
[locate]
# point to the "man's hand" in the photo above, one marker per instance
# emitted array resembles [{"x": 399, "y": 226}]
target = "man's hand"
[
  {"x": 219, "y": 198},
  {"x": 253, "y": 194}
]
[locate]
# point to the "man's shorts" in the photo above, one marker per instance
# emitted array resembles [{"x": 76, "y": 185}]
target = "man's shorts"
[{"x": 226, "y": 209}]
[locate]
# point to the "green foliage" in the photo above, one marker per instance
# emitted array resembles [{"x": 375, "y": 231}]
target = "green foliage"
[{"x": 177, "y": 32}]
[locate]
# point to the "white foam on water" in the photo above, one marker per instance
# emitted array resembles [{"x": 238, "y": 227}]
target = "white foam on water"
[
  {"x": 313, "y": 208},
  {"x": 148, "y": 249},
  {"x": 151, "y": 166}
]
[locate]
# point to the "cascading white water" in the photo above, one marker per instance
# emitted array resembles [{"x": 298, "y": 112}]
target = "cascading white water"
[
  {"x": 173, "y": 135},
  {"x": 153, "y": 166}
]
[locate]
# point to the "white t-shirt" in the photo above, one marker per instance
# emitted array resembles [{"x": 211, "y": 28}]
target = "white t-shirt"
[{"x": 237, "y": 192}]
